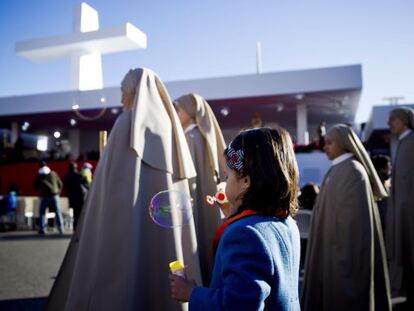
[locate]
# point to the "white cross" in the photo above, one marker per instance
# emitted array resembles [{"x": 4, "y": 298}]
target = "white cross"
[{"x": 85, "y": 46}]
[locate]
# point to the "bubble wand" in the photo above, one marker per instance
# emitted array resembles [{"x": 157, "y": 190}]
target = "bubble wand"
[{"x": 219, "y": 198}]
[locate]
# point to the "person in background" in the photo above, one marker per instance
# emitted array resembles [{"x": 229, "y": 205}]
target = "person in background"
[
  {"x": 400, "y": 212},
  {"x": 206, "y": 144},
  {"x": 86, "y": 172},
  {"x": 308, "y": 195},
  {"x": 382, "y": 164},
  {"x": 18, "y": 150},
  {"x": 257, "y": 248},
  {"x": 345, "y": 265},
  {"x": 76, "y": 187},
  {"x": 321, "y": 132},
  {"x": 256, "y": 121},
  {"x": 307, "y": 198},
  {"x": 50, "y": 186},
  {"x": 8, "y": 206}
]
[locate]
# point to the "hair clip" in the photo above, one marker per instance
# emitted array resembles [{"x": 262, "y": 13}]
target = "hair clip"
[{"x": 235, "y": 158}]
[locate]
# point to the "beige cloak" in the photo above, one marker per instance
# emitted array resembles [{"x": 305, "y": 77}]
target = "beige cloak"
[
  {"x": 345, "y": 267},
  {"x": 118, "y": 260},
  {"x": 206, "y": 144}
]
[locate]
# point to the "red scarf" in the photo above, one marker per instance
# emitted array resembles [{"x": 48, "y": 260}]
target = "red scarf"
[{"x": 220, "y": 230}]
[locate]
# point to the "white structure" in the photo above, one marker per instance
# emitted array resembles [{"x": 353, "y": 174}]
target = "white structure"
[
  {"x": 85, "y": 46},
  {"x": 297, "y": 100},
  {"x": 313, "y": 95}
]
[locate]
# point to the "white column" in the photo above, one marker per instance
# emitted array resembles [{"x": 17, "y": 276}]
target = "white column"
[
  {"x": 74, "y": 140},
  {"x": 14, "y": 132},
  {"x": 302, "y": 124},
  {"x": 86, "y": 66},
  {"x": 87, "y": 71}
]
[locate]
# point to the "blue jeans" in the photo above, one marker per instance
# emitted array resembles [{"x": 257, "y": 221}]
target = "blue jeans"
[{"x": 53, "y": 203}]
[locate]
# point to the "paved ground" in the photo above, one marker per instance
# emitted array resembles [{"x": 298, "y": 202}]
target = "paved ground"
[{"x": 28, "y": 266}]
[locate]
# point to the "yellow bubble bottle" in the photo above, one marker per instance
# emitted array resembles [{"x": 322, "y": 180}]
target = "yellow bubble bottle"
[{"x": 177, "y": 267}]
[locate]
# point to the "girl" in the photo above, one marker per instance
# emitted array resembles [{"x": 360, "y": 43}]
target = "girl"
[
  {"x": 257, "y": 255},
  {"x": 345, "y": 267}
]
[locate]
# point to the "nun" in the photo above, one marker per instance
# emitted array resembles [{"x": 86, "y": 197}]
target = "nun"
[
  {"x": 345, "y": 266},
  {"x": 400, "y": 213},
  {"x": 118, "y": 259},
  {"x": 206, "y": 144}
]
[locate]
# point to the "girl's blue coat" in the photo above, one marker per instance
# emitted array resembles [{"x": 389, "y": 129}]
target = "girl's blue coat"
[{"x": 256, "y": 267}]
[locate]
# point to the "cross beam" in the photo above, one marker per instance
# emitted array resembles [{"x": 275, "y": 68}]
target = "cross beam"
[{"x": 85, "y": 46}]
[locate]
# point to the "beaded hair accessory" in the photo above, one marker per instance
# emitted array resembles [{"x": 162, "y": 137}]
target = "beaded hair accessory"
[{"x": 235, "y": 158}]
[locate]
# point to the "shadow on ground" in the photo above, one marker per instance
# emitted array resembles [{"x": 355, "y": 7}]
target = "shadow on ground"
[
  {"x": 26, "y": 304},
  {"x": 34, "y": 236}
]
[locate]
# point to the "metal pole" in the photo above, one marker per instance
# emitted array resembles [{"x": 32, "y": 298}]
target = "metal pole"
[
  {"x": 102, "y": 141},
  {"x": 394, "y": 100},
  {"x": 259, "y": 57}
]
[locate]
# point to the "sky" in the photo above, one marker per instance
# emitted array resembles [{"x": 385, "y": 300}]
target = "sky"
[{"x": 189, "y": 39}]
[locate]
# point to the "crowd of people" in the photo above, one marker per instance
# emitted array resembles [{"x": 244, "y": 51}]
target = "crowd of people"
[
  {"x": 245, "y": 254},
  {"x": 49, "y": 187}
]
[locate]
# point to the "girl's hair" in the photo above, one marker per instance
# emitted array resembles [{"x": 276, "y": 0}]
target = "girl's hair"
[{"x": 267, "y": 157}]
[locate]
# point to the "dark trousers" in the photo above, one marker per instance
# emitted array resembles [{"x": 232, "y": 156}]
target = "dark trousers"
[{"x": 76, "y": 213}]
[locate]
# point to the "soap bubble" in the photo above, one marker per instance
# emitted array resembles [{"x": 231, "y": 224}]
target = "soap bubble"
[{"x": 171, "y": 208}]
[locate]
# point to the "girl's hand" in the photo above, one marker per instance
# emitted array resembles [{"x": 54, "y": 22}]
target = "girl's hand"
[
  {"x": 181, "y": 288},
  {"x": 227, "y": 209}
]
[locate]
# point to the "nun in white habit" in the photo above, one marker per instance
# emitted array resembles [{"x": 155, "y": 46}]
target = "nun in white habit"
[
  {"x": 345, "y": 267},
  {"x": 400, "y": 212},
  {"x": 118, "y": 259},
  {"x": 207, "y": 145}
]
